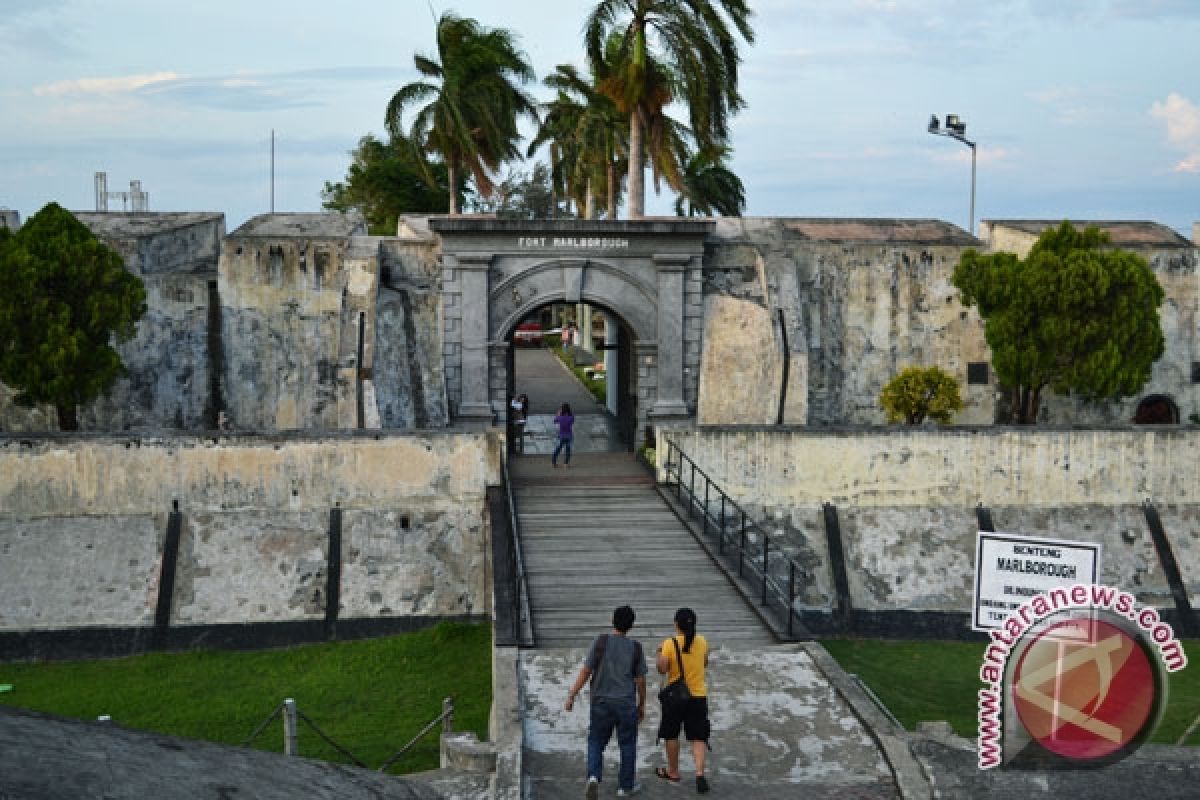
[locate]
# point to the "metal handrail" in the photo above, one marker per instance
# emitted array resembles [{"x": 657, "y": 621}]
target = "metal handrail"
[
  {"x": 522, "y": 616},
  {"x": 742, "y": 538}
]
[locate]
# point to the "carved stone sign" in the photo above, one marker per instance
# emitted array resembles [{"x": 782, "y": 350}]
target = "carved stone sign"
[{"x": 572, "y": 243}]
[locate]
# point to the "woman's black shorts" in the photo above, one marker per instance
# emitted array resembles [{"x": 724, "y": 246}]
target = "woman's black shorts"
[{"x": 693, "y": 719}]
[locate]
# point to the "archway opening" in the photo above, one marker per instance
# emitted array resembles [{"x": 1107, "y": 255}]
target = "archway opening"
[
  {"x": 1156, "y": 409},
  {"x": 578, "y": 354}
]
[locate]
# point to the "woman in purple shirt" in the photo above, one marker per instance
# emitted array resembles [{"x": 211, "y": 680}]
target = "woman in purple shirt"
[{"x": 566, "y": 423}]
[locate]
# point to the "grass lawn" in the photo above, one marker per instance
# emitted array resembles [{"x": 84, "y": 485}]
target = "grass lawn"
[
  {"x": 921, "y": 681},
  {"x": 370, "y": 696},
  {"x": 597, "y": 387}
]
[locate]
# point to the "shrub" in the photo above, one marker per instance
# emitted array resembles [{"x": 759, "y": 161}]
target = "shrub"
[{"x": 921, "y": 392}]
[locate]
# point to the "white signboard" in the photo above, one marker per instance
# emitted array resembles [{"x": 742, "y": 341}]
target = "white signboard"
[{"x": 1010, "y": 569}]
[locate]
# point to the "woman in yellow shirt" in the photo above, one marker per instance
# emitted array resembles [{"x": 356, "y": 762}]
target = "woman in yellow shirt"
[{"x": 691, "y": 649}]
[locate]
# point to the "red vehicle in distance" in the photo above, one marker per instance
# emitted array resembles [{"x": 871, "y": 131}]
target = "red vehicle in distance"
[{"x": 529, "y": 334}]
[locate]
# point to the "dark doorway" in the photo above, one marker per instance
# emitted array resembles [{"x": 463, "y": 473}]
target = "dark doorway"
[
  {"x": 595, "y": 375},
  {"x": 1156, "y": 409}
]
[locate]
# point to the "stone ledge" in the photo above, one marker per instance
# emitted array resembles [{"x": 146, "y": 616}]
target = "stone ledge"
[{"x": 465, "y": 752}]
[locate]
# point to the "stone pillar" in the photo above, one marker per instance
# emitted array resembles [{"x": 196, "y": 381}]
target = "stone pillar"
[
  {"x": 498, "y": 393},
  {"x": 473, "y": 276},
  {"x": 670, "y": 269},
  {"x": 610, "y": 362},
  {"x": 645, "y": 365},
  {"x": 585, "y": 326}
]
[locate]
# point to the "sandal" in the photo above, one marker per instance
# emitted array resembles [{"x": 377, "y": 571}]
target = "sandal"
[
  {"x": 701, "y": 784},
  {"x": 666, "y": 776}
]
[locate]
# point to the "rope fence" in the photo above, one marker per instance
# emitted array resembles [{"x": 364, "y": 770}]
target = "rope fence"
[{"x": 292, "y": 716}]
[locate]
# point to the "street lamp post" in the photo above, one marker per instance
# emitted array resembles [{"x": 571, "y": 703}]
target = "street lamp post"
[{"x": 956, "y": 129}]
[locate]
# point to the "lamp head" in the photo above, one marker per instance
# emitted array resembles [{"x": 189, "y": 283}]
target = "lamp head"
[
  {"x": 934, "y": 124},
  {"x": 955, "y": 124}
]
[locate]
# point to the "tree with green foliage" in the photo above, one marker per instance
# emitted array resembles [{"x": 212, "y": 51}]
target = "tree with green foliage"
[
  {"x": 522, "y": 195},
  {"x": 710, "y": 187},
  {"x": 64, "y": 297},
  {"x": 1076, "y": 315},
  {"x": 473, "y": 101},
  {"x": 920, "y": 393},
  {"x": 587, "y": 141},
  {"x": 385, "y": 180},
  {"x": 685, "y": 51}
]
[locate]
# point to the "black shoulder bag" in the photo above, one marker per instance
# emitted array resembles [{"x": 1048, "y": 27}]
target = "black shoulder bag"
[{"x": 675, "y": 695}]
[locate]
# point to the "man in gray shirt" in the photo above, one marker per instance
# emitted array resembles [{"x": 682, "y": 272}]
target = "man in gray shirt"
[{"x": 616, "y": 667}]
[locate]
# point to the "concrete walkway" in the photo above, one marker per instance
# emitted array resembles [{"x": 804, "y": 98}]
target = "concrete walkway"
[
  {"x": 549, "y": 384},
  {"x": 779, "y": 730}
]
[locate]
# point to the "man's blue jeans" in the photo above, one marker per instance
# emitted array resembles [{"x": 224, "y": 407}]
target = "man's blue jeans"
[{"x": 606, "y": 715}]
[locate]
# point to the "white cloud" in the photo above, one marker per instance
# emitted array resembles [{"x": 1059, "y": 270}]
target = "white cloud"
[
  {"x": 1182, "y": 118},
  {"x": 1070, "y": 105},
  {"x": 118, "y": 85},
  {"x": 242, "y": 91}
]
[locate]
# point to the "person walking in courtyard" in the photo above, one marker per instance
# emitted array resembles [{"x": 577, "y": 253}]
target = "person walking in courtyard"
[
  {"x": 519, "y": 408},
  {"x": 685, "y": 655},
  {"x": 565, "y": 421},
  {"x": 616, "y": 668}
]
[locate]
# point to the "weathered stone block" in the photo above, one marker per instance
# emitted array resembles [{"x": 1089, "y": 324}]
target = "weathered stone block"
[{"x": 740, "y": 367}]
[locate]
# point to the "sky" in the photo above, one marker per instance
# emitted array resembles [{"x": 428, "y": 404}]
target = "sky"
[{"x": 1087, "y": 109}]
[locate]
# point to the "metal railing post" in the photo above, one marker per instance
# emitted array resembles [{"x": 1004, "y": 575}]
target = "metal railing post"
[
  {"x": 742, "y": 545},
  {"x": 721, "y": 534},
  {"x": 704, "y": 527},
  {"x": 766, "y": 566},
  {"x": 448, "y": 715},
  {"x": 691, "y": 489},
  {"x": 791, "y": 593},
  {"x": 679, "y": 475}
]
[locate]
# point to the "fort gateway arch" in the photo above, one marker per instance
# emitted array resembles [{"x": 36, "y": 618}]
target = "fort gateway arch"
[{"x": 647, "y": 273}]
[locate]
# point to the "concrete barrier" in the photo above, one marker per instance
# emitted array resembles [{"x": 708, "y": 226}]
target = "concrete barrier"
[
  {"x": 906, "y": 500},
  {"x": 83, "y": 524}
]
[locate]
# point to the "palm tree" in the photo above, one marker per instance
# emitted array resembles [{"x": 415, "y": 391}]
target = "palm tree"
[
  {"x": 474, "y": 100},
  {"x": 587, "y": 140},
  {"x": 709, "y": 186},
  {"x": 669, "y": 50}
]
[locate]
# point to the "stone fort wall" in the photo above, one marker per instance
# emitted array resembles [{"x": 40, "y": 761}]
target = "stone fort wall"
[
  {"x": 906, "y": 502},
  {"x": 860, "y": 300},
  {"x": 301, "y": 321},
  {"x": 84, "y": 523}
]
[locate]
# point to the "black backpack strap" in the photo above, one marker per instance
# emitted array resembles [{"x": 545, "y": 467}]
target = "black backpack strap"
[
  {"x": 678, "y": 656},
  {"x": 601, "y": 641}
]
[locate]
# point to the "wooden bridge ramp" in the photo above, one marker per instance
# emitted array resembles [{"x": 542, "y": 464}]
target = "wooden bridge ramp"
[{"x": 598, "y": 536}]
